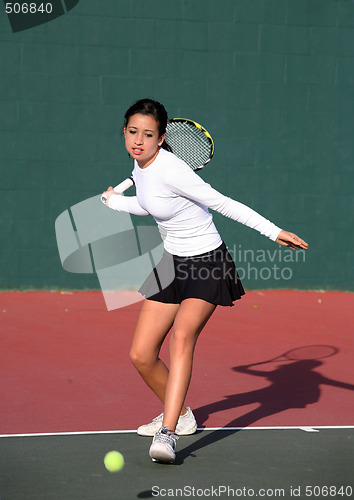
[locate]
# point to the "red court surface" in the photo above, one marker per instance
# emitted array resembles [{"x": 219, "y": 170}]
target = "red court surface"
[{"x": 65, "y": 364}]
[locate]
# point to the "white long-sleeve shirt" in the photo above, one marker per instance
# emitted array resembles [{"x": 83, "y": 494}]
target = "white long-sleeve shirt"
[{"x": 178, "y": 199}]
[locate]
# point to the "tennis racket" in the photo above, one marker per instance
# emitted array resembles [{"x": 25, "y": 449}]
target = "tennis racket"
[
  {"x": 303, "y": 353},
  {"x": 188, "y": 140}
]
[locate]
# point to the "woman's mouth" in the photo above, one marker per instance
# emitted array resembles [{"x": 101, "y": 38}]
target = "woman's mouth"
[{"x": 137, "y": 151}]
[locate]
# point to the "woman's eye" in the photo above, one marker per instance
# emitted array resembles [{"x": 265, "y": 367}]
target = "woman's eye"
[
  {"x": 148, "y": 135},
  {"x": 132, "y": 132}
]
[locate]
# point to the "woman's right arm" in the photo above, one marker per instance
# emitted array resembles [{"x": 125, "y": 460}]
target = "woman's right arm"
[{"x": 122, "y": 203}]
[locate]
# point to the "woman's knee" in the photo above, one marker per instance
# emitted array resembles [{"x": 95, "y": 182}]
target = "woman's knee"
[
  {"x": 136, "y": 357},
  {"x": 183, "y": 340},
  {"x": 142, "y": 359}
]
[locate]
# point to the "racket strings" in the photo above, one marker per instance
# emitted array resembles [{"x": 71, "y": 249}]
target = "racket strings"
[{"x": 189, "y": 143}]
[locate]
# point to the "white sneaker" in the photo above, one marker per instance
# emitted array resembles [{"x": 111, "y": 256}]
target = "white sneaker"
[
  {"x": 152, "y": 428},
  {"x": 186, "y": 425},
  {"x": 163, "y": 446}
]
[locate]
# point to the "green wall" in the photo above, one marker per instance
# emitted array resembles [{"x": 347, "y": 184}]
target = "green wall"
[{"x": 272, "y": 80}]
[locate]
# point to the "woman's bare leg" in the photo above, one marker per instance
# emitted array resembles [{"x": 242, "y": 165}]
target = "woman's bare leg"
[
  {"x": 154, "y": 322},
  {"x": 189, "y": 321}
]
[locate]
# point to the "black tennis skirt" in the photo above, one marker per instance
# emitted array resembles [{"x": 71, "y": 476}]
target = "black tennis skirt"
[{"x": 211, "y": 276}]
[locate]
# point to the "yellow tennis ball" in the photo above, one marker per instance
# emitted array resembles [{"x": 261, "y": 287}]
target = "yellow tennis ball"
[{"x": 114, "y": 461}]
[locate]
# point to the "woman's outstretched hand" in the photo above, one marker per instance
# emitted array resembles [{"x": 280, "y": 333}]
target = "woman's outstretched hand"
[{"x": 291, "y": 240}]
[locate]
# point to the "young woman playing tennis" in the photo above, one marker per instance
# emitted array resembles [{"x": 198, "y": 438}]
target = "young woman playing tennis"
[{"x": 204, "y": 272}]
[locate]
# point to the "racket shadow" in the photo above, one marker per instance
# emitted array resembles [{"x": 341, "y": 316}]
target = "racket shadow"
[{"x": 295, "y": 384}]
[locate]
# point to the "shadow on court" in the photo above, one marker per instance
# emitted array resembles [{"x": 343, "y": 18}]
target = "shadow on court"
[{"x": 293, "y": 385}]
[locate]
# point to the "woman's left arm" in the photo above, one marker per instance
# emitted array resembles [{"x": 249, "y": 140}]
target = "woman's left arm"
[{"x": 189, "y": 184}]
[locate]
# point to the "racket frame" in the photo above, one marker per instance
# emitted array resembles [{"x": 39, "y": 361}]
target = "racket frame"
[{"x": 329, "y": 351}]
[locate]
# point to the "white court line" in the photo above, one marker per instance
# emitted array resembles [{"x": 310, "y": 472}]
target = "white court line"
[{"x": 315, "y": 428}]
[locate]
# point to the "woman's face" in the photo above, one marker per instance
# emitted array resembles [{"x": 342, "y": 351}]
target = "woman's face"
[{"x": 142, "y": 139}]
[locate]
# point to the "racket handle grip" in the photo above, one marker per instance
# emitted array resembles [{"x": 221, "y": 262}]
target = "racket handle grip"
[
  {"x": 123, "y": 186},
  {"x": 120, "y": 188}
]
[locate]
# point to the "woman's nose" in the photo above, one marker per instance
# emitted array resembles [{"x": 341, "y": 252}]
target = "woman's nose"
[{"x": 138, "y": 139}]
